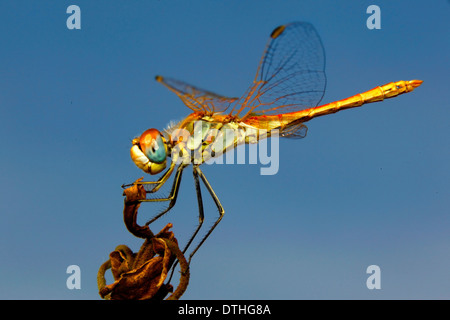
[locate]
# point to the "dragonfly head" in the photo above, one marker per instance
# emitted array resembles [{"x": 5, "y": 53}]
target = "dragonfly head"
[{"x": 149, "y": 151}]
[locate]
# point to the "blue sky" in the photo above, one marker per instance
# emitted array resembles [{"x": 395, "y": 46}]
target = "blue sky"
[{"x": 366, "y": 186}]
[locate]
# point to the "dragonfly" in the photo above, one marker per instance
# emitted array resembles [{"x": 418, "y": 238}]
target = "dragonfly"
[{"x": 286, "y": 92}]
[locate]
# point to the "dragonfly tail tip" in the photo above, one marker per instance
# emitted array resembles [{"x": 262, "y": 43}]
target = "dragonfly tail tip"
[{"x": 415, "y": 83}]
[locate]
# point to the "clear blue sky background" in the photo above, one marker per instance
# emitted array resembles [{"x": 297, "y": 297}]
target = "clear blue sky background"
[{"x": 367, "y": 186}]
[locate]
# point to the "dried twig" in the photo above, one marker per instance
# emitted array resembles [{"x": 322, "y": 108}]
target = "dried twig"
[{"x": 141, "y": 275}]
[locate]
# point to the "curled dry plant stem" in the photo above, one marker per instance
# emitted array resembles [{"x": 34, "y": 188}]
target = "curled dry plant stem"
[
  {"x": 141, "y": 275},
  {"x": 184, "y": 266}
]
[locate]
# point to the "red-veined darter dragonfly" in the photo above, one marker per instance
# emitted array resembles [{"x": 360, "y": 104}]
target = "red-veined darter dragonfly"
[{"x": 289, "y": 85}]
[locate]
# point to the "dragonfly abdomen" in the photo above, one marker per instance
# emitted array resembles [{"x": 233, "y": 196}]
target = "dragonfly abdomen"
[{"x": 380, "y": 93}]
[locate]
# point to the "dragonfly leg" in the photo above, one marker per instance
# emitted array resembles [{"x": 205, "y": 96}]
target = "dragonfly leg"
[
  {"x": 198, "y": 172},
  {"x": 172, "y": 196},
  {"x": 158, "y": 184},
  {"x": 201, "y": 217}
]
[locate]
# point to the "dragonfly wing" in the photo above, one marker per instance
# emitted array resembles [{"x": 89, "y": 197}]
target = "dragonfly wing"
[
  {"x": 291, "y": 74},
  {"x": 295, "y": 131},
  {"x": 197, "y": 99}
]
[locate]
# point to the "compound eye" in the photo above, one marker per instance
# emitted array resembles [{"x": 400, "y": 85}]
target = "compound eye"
[{"x": 153, "y": 145}]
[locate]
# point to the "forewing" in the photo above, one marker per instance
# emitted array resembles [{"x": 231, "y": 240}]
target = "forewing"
[{"x": 197, "y": 99}]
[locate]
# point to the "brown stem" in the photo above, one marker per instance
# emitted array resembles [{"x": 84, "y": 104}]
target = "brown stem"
[
  {"x": 133, "y": 195},
  {"x": 101, "y": 281},
  {"x": 184, "y": 266}
]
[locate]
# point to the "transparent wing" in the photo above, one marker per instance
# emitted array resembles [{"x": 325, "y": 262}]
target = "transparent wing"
[
  {"x": 197, "y": 99},
  {"x": 295, "y": 131},
  {"x": 291, "y": 74}
]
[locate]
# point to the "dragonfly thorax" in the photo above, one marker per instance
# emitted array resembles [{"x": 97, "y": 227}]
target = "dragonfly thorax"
[{"x": 198, "y": 141}]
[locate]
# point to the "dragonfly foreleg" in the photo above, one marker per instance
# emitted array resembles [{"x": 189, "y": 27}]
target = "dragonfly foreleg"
[
  {"x": 172, "y": 196},
  {"x": 158, "y": 184}
]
